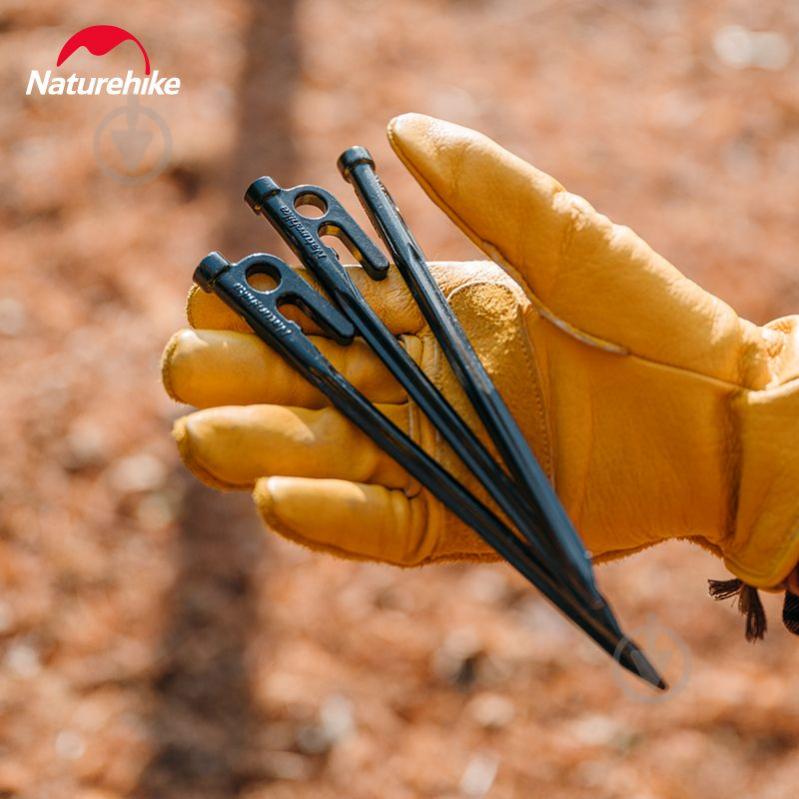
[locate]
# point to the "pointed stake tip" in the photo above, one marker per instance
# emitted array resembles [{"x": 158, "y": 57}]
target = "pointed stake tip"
[{"x": 635, "y": 661}]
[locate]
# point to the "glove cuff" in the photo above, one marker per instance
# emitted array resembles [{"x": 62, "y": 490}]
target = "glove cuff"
[{"x": 764, "y": 548}]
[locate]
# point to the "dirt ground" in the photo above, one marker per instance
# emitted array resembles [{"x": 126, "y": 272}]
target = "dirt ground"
[{"x": 154, "y": 642}]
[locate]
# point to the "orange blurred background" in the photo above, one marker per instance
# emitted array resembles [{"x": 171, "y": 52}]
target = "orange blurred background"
[{"x": 154, "y": 642}]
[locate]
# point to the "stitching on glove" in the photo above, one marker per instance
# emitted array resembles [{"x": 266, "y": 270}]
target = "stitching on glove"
[
  {"x": 414, "y": 346},
  {"x": 538, "y": 398},
  {"x": 733, "y": 459}
]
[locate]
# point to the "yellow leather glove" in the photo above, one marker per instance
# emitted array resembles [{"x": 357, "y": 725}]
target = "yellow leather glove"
[{"x": 656, "y": 411}]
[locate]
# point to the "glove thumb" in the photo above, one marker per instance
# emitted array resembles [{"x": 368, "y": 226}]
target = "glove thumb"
[{"x": 596, "y": 280}]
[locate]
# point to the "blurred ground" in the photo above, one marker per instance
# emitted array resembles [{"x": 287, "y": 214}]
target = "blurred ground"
[{"x": 154, "y": 643}]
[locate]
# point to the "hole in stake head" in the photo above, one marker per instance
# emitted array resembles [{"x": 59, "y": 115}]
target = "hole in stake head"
[
  {"x": 310, "y": 205},
  {"x": 263, "y": 277}
]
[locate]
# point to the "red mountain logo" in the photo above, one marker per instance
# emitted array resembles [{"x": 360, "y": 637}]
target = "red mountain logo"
[{"x": 99, "y": 40}]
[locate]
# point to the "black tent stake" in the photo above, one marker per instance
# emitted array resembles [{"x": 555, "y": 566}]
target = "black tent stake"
[
  {"x": 305, "y": 237},
  {"x": 357, "y": 167},
  {"x": 261, "y": 310}
]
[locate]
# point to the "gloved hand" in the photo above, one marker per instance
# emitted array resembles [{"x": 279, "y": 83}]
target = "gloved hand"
[{"x": 656, "y": 411}]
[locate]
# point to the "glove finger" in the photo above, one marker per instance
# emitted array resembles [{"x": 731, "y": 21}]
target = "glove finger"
[
  {"x": 598, "y": 281},
  {"x": 349, "y": 519},
  {"x": 390, "y": 299},
  {"x": 204, "y": 368},
  {"x": 232, "y": 446}
]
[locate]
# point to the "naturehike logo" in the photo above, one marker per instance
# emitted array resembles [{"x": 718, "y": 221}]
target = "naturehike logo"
[{"x": 99, "y": 40}]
